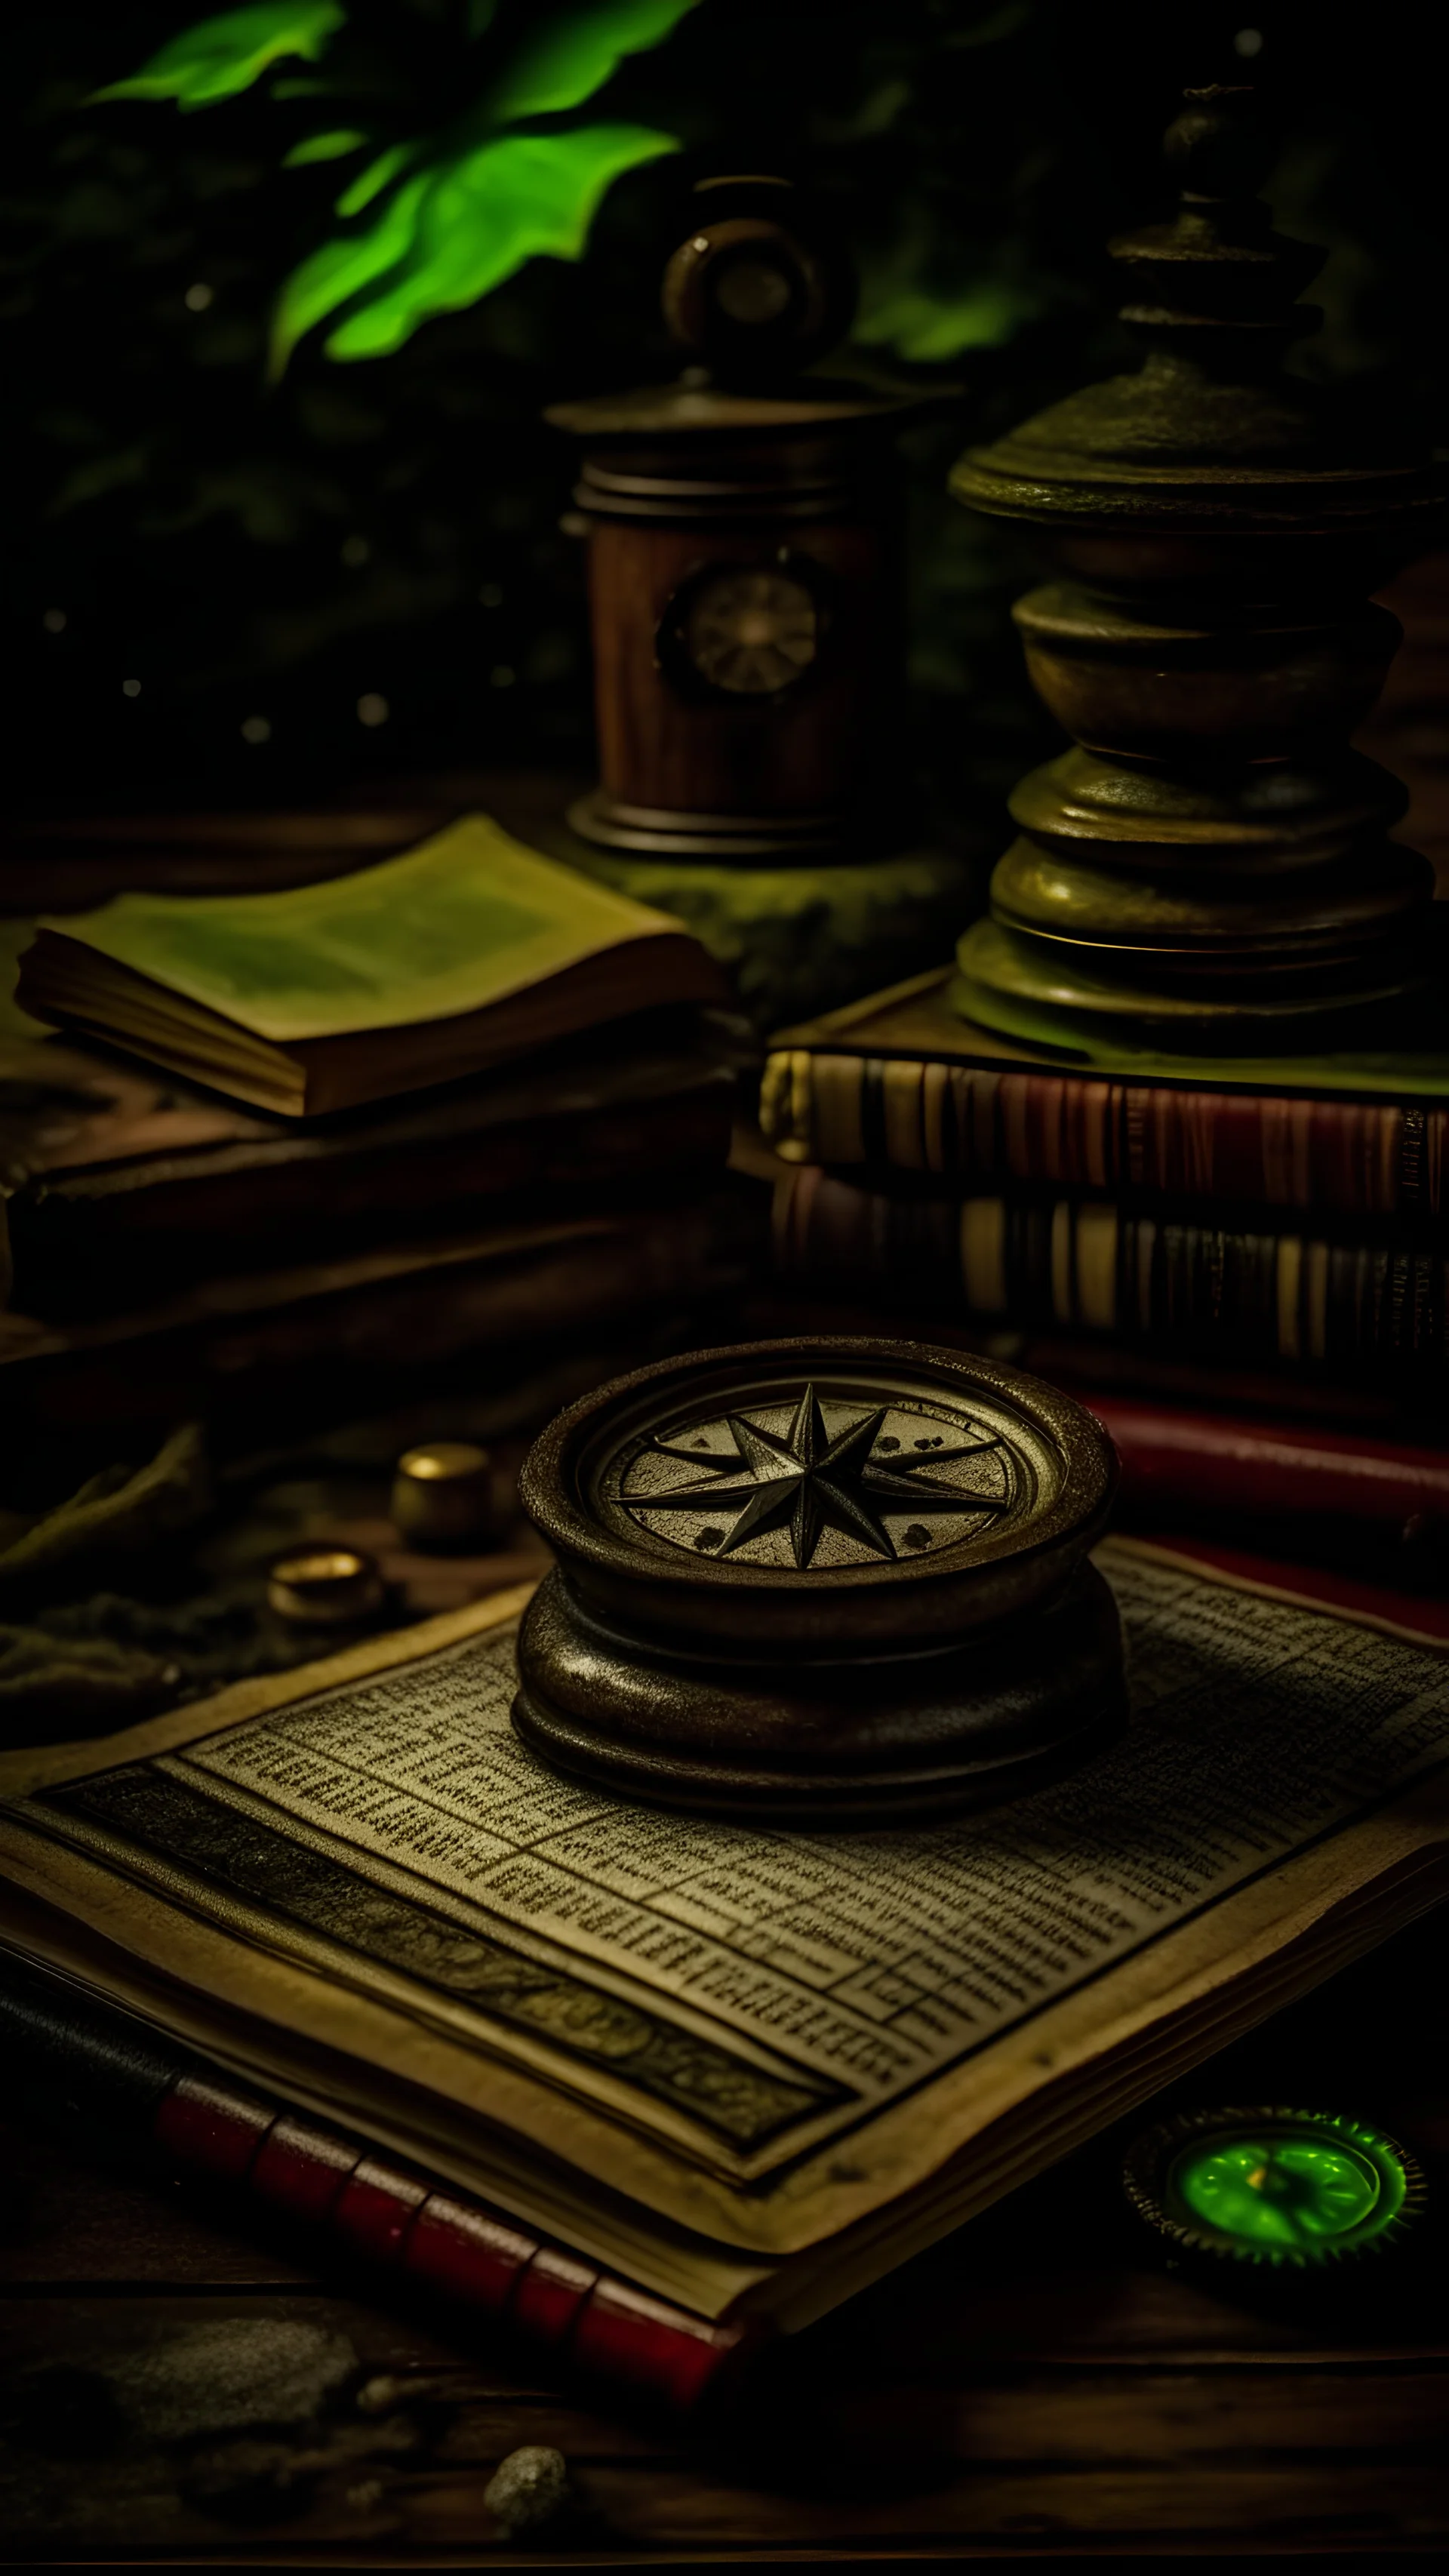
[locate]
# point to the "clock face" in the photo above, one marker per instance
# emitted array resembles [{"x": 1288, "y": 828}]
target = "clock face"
[{"x": 749, "y": 632}]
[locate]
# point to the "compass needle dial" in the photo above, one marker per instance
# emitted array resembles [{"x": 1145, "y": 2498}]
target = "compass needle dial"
[{"x": 810, "y": 1479}]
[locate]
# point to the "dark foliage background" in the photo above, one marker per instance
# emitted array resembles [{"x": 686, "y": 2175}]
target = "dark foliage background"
[{"x": 266, "y": 561}]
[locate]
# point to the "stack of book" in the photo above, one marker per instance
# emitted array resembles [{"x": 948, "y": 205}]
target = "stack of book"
[
  {"x": 295, "y": 1152},
  {"x": 1282, "y": 1220}
]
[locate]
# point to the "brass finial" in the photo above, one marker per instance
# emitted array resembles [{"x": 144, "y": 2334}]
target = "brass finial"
[{"x": 1208, "y": 872}]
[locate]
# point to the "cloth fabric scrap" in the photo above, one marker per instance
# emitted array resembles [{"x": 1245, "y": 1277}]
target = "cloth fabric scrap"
[{"x": 121, "y": 1511}]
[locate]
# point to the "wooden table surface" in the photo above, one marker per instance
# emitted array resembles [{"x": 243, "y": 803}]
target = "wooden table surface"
[{"x": 179, "y": 2389}]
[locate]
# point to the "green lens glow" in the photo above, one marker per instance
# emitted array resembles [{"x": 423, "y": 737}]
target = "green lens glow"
[{"x": 1291, "y": 2193}]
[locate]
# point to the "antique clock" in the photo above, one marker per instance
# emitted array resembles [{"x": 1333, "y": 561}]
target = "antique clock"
[
  {"x": 744, "y": 568},
  {"x": 745, "y": 582}
]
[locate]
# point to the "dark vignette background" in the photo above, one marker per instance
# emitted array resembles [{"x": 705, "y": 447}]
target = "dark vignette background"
[{"x": 390, "y": 529}]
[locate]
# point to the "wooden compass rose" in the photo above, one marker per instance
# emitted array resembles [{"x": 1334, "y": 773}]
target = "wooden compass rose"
[{"x": 811, "y": 1481}]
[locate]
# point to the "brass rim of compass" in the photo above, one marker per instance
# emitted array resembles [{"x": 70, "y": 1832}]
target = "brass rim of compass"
[{"x": 638, "y": 1583}]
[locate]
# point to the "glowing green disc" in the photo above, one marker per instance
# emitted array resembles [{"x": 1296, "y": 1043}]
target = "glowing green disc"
[{"x": 1291, "y": 2190}]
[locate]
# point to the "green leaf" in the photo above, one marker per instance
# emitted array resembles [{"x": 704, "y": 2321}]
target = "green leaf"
[
  {"x": 479, "y": 16},
  {"x": 927, "y": 328},
  {"x": 564, "y": 61},
  {"x": 323, "y": 147},
  {"x": 341, "y": 269},
  {"x": 224, "y": 55},
  {"x": 474, "y": 221},
  {"x": 379, "y": 174}
]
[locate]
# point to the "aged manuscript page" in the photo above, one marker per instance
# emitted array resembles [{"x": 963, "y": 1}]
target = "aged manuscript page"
[{"x": 765, "y": 2034}]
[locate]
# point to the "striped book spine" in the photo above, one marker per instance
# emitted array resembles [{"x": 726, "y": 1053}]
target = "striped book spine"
[
  {"x": 1068, "y": 1131},
  {"x": 1085, "y": 1265}
]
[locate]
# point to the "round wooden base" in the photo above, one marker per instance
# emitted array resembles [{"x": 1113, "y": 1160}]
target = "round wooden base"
[
  {"x": 835, "y": 1581},
  {"x": 656, "y": 833},
  {"x": 830, "y": 1744}
]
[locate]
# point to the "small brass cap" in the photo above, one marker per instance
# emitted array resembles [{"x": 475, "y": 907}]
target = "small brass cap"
[
  {"x": 323, "y": 1587},
  {"x": 442, "y": 1497}
]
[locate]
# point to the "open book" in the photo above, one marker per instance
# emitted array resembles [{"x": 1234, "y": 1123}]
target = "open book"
[
  {"x": 468, "y": 950},
  {"x": 749, "y": 2069}
]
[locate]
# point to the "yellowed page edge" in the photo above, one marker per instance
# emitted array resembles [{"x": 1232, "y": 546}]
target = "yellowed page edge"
[{"x": 584, "y": 920}]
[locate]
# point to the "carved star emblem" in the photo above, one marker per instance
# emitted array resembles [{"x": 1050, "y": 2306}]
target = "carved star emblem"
[{"x": 808, "y": 1482}]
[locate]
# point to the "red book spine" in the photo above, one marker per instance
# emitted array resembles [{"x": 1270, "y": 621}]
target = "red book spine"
[
  {"x": 628, "y": 2344},
  {"x": 1175, "y": 1460}
]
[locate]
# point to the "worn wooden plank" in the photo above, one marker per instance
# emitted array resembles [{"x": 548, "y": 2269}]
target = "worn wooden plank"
[
  {"x": 339, "y": 2492},
  {"x": 402, "y": 2449},
  {"x": 1253, "y": 2504},
  {"x": 68, "y": 2224},
  {"x": 1083, "y": 2415},
  {"x": 1038, "y": 2388},
  {"x": 1050, "y": 2305},
  {"x": 1324, "y": 2401}
]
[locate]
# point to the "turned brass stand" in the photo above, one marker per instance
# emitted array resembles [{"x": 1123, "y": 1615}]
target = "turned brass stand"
[{"x": 1209, "y": 868}]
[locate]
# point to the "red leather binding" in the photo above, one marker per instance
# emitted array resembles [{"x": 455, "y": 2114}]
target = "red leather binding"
[
  {"x": 643, "y": 2345},
  {"x": 301, "y": 2169},
  {"x": 376, "y": 2207},
  {"x": 550, "y": 2294},
  {"x": 638, "y": 2346},
  {"x": 466, "y": 2253},
  {"x": 1216, "y": 1463},
  {"x": 200, "y": 2123},
  {"x": 212, "y": 2128}
]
